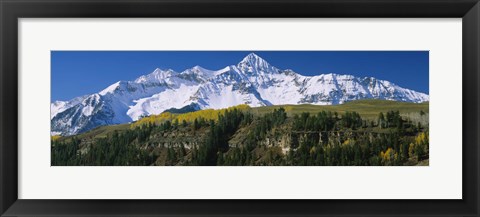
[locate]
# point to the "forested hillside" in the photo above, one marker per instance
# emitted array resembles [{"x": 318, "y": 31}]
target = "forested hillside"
[{"x": 363, "y": 133}]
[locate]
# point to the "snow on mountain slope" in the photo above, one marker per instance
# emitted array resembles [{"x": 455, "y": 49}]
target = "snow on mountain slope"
[
  {"x": 252, "y": 81},
  {"x": 157, "y": 103},
  {"x": 60, "y": 106}
]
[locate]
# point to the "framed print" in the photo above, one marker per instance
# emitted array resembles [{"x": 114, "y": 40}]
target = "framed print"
[
  {"x": 241, "y": 110},
  {"x": 252, "y": 108}
]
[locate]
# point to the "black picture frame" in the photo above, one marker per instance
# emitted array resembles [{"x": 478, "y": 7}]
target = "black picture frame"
[{"x": 12, "y": 10}]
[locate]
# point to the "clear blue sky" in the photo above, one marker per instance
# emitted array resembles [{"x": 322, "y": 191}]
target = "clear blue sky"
[{"x": 76, "y": 73}]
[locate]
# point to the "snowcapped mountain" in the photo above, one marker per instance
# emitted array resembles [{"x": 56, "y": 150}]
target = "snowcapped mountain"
[{"x": 253, "y": 81}]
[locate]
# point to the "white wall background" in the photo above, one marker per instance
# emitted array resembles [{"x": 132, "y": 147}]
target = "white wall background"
[{"x": 442, "y": 179}]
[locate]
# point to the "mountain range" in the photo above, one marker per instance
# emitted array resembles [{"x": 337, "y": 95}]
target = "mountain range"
[{"x": 253, "y": 81}]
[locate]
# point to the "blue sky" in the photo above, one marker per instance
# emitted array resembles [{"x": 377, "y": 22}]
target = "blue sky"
[{"x": 76, "y": 73}]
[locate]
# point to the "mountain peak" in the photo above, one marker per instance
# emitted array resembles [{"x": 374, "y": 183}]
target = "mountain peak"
[
  {"x": 159, "y": 71},
  {"x": 197, "y": 73},
  {"x": 252, "y": 57},
  {"x": 254, "y": 64},
  {"x": 156, "y": 76},
  {"x": 111, "y": 88},
  {"x": 197, "y": 67}
]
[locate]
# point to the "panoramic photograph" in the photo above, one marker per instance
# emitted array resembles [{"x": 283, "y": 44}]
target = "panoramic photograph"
[{"x": 239, "y": 108}]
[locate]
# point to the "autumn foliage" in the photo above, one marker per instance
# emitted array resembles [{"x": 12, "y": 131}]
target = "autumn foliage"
[{"x": 207, "y": 114}]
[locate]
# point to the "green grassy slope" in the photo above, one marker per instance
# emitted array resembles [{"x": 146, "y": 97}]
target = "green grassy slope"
[
  {"x": 100, "y": 132},
  {"x": 368, "y": 109}
]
